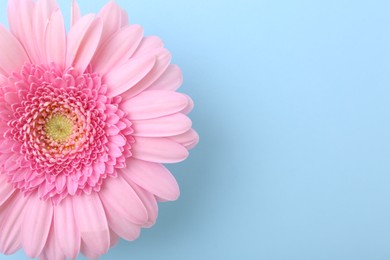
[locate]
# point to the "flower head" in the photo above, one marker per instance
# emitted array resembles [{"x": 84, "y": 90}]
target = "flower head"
[{"x": 86, "y": 120}]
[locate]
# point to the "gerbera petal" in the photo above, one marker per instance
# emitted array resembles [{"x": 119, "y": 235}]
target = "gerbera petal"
[
  {"x": 43, "y": 12},
  {"x": 111, "y": 17},
  {"x": 149, "y": 44},
  {"x": 171, "y": 79},
  {"x": 150, "y": 203},
  {"x": 67, "y": 232},
  {"x": 163, "y": 58},
  {"x": 12, "y": 56},
  {"x": 161, "y": 150},
  {"x": 6, "y": 189},
  {"x": 83, "y": 39},
  {"x": 36, "y": 225},
  {"x": 75, "y": 13},
  {"x": 24, "y": 31},
  {"x": 163, "y": 126},
  {"x": 55, "y": 39},
  {"x": 92, "y": 223},
  {"x": 10, "y": 235},
  {"x": 189, "y": 139},
  {"x": 189, "y": 107},
  {"x": 153, "y": 177},
  {"x": 52, "y": 251},
  {"x": 118, "y": 48},
  {"x": 154, "y": 103},
  {"x": 123, "y": 77},
  {"x": 122, "y": 201}
]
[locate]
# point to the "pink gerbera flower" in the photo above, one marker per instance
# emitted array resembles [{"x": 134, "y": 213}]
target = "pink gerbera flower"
[{"x": 86, "y": 121}]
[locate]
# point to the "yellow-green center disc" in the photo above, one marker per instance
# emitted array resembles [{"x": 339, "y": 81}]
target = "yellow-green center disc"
[{"x": 59, "y": 128}]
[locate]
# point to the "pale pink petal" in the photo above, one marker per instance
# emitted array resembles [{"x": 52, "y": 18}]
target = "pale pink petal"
[
  {"x": 55, "y": 39},
  {"x": 161, "y": 150},
  {"x": 163, "y": 126},
  {"x": 163, "y": 58},
  {"x": 189, "y": 107},
  {"x": 154, "y": 103},
  {"x": 24, "y": 31},
  {"x": 189, "y": 139},
  {"x": 121, "y": 201},
  {"x": 171, "y": 79},
  {"x": 117, "y": 49},
  {"x": 52, "y": 251},
  {"x": 43, "y": 12},
  {"x": 111, "y": 17},
  {"x": 83, "y": 39},
  {"x": 75, "y": 13},
  {"x": 148, "y": 45},
  {"x": 92, "y": 223},
  {"x": 123, "y": 77},
  {"x": 153, "y": 177},
  {"x": 6, "y": 189},
  {"x": 11, "y": 226},
  {"x": 114, "y": 238},
  {"x": 150, "y": 203},
  {"x": 36, "y": 225},
  {"x": 67, "y": 232},
  {"x": 124, "y": 18},
  {"x": 12, "y": 55}
]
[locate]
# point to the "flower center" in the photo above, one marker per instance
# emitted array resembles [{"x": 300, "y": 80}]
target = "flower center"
[{"x": 58, "y": 127}]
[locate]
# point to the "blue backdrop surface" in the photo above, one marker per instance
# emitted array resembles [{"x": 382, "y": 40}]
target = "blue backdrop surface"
[{"x": 293, "y": 109}]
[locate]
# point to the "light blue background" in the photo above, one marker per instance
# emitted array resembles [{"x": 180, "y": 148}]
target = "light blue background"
[{"x": 292, "y": 106}]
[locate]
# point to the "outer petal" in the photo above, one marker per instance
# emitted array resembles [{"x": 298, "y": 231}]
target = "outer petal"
[
  {"x": 6, "y": 189},
  {"x": 92, "y": 222},
  {"x": 118, "y": 48},
  {"x": 36, "y": 225},
  {"x": 161, "y": 150},
  {"x": 55, "y": 39},
  {"x": 163, "y": 126},
  {"x": 83, "y": 39},
  {"x": 124, "y": 77},
  {"x": 150, "y": 203},
  {"x": 148, "y": 45},
  {"x": 43, "y": 12},
  {"x": 111, "y": 17},
  {"x": 154, "y": 103},
  {"x": 52, "y": 250},
  {"x": 67, "y": 232},
  {"x": 163, "y": 58},
  {"x": 189, "y": 139},
  {"x": 23, "y": 27},
  {"x": 170, "y": 80},
  {"x": 122, "y": 201},
  {"x": 11, "y": 226},
  {"x": 12, "y": 55},
  {"x": 153, "y": 177},
  {"x": 75, "y": 13}
]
